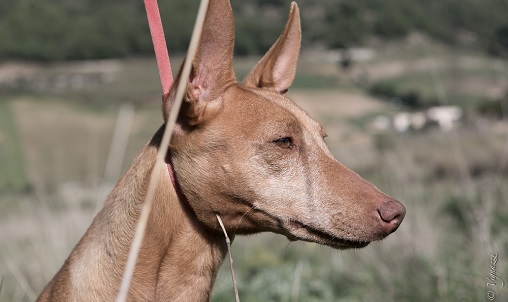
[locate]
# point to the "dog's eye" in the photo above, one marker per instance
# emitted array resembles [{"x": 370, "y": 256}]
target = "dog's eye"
[{"x": 284, "y": 142}]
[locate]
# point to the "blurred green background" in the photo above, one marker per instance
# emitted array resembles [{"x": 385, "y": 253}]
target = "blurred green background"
[
  {"x": 79, "y": 97},
  {"x": 49, "y": 30}
]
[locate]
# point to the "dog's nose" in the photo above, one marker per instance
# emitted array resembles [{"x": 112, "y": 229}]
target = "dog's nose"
[{"x": 391, "y": 213}]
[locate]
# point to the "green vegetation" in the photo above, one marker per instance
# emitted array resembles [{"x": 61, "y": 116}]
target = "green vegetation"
[
  {"x": 60, "y": 30},
  {"x": 12, "y": 177},
  {"x": 54, "y": 138},
  {"x": 427, "y": 73},
  {"x": 453, "y": 185},
  {"x": 49, "y": 30}
]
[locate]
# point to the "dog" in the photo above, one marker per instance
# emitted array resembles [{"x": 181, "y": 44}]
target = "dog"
[{"x": 243, "y": 151}]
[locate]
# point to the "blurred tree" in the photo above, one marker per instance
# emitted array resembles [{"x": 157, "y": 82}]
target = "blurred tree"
[
  {"x": 255, "y": 35},
  {"x": 346, "y": 23},
  {"x": 178, "y": 18},
  {"x": 500, "y": 44},
  {"x": 394, "y": 18},
  {"x": 32, "y": 30},
  {"x": 87, "y": 29}
]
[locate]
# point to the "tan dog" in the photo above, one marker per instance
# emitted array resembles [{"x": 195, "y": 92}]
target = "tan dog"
[{"x": 243, "y": 151}]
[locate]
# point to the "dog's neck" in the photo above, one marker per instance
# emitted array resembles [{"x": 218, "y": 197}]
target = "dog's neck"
[
  {"x": 179, "y": 258},
  {"x": 193, "y": 255}
]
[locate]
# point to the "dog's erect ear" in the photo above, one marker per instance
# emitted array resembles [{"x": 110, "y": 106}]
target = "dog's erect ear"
[
  {"x": 212, "y": 68},
  {"x": 277, "y": 68}
]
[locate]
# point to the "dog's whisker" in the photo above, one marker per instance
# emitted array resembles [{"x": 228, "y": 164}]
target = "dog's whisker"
[
  {"x": 285, "y": 249},
  {"x": 241, "y": 218}
]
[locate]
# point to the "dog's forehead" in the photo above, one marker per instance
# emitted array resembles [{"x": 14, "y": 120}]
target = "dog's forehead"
[{"x": 269, "y": 102}]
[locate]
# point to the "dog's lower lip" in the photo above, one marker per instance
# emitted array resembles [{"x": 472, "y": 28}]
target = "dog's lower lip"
[
  {"x": 313, "y": 234},
  {"x": 321, "y": 237}
]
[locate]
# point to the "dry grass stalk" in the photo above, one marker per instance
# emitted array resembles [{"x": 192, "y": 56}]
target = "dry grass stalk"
[
  {"x": 295, "y": 288},
  {"x": 119, "y": 143},
  {"x": 147, "y": 206},
  {"x": 18, "y": 275},
  {"x": 228, "y": 243},
  {"x": 117, "y": 150}
]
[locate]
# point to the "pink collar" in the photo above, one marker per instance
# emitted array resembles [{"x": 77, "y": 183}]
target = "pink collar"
[{"x": 174, "y": 178}]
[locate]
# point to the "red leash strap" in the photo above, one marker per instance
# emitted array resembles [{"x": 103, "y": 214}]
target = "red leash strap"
[{"x": 159, "y": 45}]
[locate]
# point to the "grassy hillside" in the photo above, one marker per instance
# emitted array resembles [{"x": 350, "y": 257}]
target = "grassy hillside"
[{"x": 57, "y": 124}]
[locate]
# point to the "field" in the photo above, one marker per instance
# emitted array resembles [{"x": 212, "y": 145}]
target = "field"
[{"x": 59, "y": 123}]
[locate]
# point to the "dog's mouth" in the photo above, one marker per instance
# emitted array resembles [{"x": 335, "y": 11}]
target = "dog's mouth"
[
  {"x": 304, "y": 232},
  {"x": 295, "y": 230}
]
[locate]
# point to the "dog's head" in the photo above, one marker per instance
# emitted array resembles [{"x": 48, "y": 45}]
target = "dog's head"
[{"x": 245, "y": 151}]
